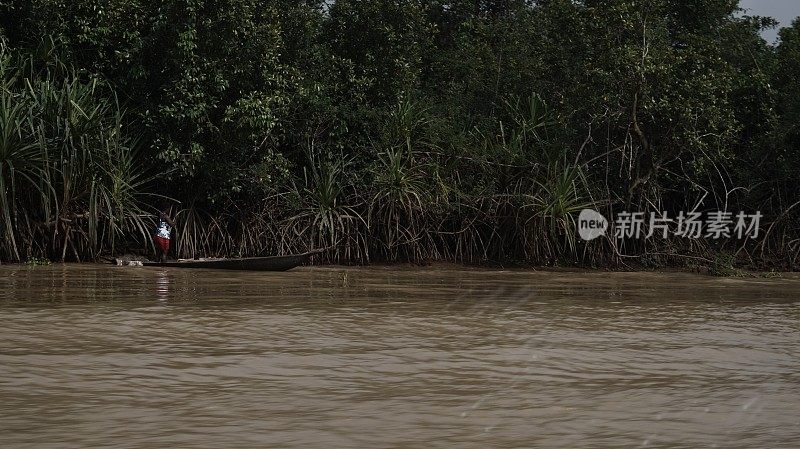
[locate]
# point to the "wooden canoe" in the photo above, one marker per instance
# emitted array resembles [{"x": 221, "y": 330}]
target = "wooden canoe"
[{"x": 270, "y": 263}]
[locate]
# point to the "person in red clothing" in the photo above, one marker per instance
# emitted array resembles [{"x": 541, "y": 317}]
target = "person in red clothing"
[{"x": 163, "y": 233}]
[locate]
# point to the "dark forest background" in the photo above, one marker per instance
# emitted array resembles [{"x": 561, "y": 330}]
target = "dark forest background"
[{"x": 465, "y": 130}]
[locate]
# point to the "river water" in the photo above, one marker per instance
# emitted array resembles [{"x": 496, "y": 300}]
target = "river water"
[{"x": 95, "y": 356}]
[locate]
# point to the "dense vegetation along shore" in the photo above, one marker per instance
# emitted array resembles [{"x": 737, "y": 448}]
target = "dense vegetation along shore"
[{"x": 464, "y": 131}]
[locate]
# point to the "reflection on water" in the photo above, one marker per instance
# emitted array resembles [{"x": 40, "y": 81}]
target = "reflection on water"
[
  {"x": 162, "y": 285},
  {"x": 122, "y": 356}
]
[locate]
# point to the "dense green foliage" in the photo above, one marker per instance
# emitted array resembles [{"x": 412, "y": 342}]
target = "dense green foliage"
[
  {"x": 398, "y": 130},
  {"x": 70, "y": 180}
]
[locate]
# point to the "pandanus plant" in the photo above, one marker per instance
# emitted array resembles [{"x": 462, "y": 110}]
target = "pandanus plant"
[
  {"x": 70, "y": 181},
  {"x": 398, "y": 207},
  {"x": 21, "y": 161},
  {"x": 323, "y": 218}
]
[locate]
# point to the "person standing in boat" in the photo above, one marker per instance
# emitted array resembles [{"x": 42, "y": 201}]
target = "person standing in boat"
[{"x": 163, "y": 233}]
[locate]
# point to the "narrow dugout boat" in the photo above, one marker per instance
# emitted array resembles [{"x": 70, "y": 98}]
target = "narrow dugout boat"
[{"x": 270, "y": 263}]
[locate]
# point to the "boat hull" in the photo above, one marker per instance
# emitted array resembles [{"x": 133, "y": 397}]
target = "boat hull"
[{"x": 271, "y": 263}]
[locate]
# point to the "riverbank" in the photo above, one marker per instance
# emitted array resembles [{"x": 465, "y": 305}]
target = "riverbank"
[{"x": 137, "y": 261}]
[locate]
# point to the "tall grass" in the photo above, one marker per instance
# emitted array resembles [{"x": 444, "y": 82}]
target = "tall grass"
[
  {"x": 21, "y": 159},
  {"x": 323, "y": 219},
  {"x": 397, "y": 207},
  {"x": 70, "y": 182}
]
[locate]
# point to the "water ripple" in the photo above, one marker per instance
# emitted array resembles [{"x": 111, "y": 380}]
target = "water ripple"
[{"x": 113, "y": 357}]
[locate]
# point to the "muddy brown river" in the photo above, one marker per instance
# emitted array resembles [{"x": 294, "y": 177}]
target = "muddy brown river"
[{"x": 94, "y": 356}]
